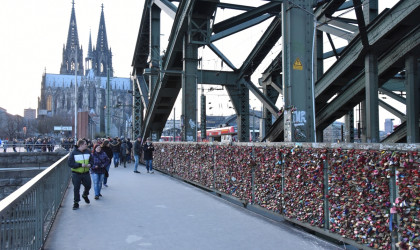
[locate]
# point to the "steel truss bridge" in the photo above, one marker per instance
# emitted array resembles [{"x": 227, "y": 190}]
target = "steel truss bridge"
[{"x": 382, "y": 56}]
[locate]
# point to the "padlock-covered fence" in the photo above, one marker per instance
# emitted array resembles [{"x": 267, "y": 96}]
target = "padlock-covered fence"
[{"x": 366, "y": 195}]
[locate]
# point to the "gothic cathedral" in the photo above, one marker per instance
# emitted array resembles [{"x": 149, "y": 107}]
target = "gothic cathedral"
[{"x": 95, "y": 83}]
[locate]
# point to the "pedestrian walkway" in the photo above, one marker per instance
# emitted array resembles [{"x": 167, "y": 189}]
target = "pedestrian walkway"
[{"x": 155, "y": 211}]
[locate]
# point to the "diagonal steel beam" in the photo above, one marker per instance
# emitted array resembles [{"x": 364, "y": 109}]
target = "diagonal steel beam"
[
  {"x": 239, "y": 27},
  {"x": 264, "y": 99},
  {"x": 168, "y": 7},
  {"x": 262, "y": 48},
  {"x": 393, "y": 110},
  {"x": 144, "y": 90},
  {"x": 330, "y": 81},
  {"x": 235, "y": 6},
  {"x": 221, "y": 56},
  {"x": 392, "y": 60},
  {"x": 361, "y": 22},
  {"x": 391, "y": 94},
  {"x": 249, "y": 15}
]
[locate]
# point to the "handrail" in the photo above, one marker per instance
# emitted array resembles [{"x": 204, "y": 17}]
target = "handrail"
[
  {"x": 33, "y": 147},
  {"x": 28, "y": 213}
]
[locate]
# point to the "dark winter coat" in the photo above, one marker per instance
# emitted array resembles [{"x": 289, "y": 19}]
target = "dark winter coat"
[
  {"x": 137, "y": 148},
  {"x": 100, "y": 161},
  {"x": 148, "y": 151}
]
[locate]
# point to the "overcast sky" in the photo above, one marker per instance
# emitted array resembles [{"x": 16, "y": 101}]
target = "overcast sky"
[{"x": 33, "y": 34}]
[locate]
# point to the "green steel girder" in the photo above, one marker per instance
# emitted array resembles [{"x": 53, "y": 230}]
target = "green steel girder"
[
  {"x": 386, "y": 30},
  {"x": 398, "y": 135},
  {"x": 137, "y": 110},
  {"x": 391, "y": 109},
  {"x": 216, "y": 77},
  {"x": 361, "y": 22},
  {"x": 273, "y": 94},
  {"x": 221, "y": 56},
  {"x": 263, "y": 98},
  {"x": 168, "y": 85},
  {"x": 275, "y": 67},
  {"x": 391, "y": 94},
  {"x": 239, "y": 95},
  {"x": 328, "y": 8},
  {"x": 235, "y": 6},
  {"x": 239, "y": 27},
  {"x": 141, "y": 51},
  {"x": 388, "y": 65},
  {"x": 168, "y": 7},
  {"x": 200, "y": 22},
  {"x": 272, "y": 7},
  {"x": 141, "y": 86},
  {"x": 261, "y": 49}
]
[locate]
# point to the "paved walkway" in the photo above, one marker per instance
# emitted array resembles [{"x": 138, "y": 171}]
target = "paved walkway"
[{"x": 155, "y": 211}]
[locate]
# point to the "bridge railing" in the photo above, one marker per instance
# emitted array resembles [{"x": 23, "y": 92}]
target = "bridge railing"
[
  {"x": 31, "y": 147},
  {"x": 28, "y": 213},
  {"x": 345, "y": 191}
]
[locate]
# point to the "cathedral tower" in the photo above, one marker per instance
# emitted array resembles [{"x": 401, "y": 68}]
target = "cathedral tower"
[
  {"x": 102, "y": 55},
  {"x": 72, "y": 49}
]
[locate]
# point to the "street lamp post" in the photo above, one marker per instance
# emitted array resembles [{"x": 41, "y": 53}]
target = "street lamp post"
[
  {"x": 253, "y": 124},
  {"x": 108, "y": 105},
  {"x": 174, "y": 125},
  {"x": 75, "y": 96}
]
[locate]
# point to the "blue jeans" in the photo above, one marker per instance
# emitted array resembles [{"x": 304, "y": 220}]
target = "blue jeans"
[
  {"x": 149, "y": 165},
  {"x": 107, "y": 169},
  {"x": 97, "y": 182},
  {"x": 116, "y": 158},
  {"x": 136, "y": 164},
  {"x": 80, "y": 179}
]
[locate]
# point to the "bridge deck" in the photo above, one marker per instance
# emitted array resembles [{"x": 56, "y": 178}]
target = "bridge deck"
[{"x": 145, "y": 211}]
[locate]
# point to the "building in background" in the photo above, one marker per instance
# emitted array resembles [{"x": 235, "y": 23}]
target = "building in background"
[
  {"x": 389, "y": 126},
  {"x": 29, "y": 114},
  {"x": 58, "y": 90}
]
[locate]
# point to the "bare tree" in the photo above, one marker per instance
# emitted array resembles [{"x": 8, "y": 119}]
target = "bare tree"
[
  {"x": 46, "y": 124},
  {"x": 14, "y": 127}
]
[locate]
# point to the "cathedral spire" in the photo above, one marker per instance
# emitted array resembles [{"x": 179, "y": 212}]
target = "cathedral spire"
[
  {"x": 102, "y": 42},
  {"x": 89, "y": 57},
  {"x": 102, "y": 61},
  {"x": 69, "y": 52}
]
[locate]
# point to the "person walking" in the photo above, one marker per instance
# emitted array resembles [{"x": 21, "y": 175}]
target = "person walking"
[
  {"x": 137, "y": 150},
  {"x": 107, "y": 149},
  {"x": 116, "y": 148},
  {"x": 148, "y": 149},
  {"x": 123, "y": 152},
  {"x": 80, "y": 161},
  {"x": 129, "y": 149},
  {"x": 14, "y": 144},
  {"x": 98, "y": 169}
]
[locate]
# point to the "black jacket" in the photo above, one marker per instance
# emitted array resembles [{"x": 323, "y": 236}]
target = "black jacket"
[{"x": 148, "y": 151}]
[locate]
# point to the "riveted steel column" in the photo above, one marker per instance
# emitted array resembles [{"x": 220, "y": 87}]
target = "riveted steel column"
[
  {"x": 154, "y": 50},
  {"x": 349, "y": 130},
  {"x": 370, "y": 10},
  {"x": 189, "y": 91},
  {"x": 319, "y": 71},
  {"x": 137, "y": 109},
  {"x": 273, "y": 95},
  {"x": 203, "y": 118},
  {"x": 412, "y": 81},
  {"x": 372, "y": 103},
  {"x": 240, "y": 99},
  {"x": 298, "y": 33},
  {"x": 243, "y": 116}
]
